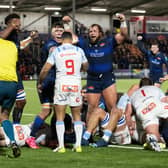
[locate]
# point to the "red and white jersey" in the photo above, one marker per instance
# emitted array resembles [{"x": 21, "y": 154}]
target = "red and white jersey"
[
  {"x": 145, "y": 95},
  {"x": 68, "y": 60},
  {"x": 147, "y": 103},
  {"x": 21, "y": 133}
]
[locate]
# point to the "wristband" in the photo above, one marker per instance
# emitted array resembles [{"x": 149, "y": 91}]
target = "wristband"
[
  {"x": 123, "y": 24},
  {"x": 67, "y": 26}
]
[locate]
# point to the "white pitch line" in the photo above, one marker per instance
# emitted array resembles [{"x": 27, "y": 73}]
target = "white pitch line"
[
  {"x": 28, "y": 114},
  {"x": 30, "y": 88},
  {"x": 131, "y": 147}
]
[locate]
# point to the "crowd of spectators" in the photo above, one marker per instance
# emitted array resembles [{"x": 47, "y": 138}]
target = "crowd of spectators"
[{"x": 30, "y": 62}]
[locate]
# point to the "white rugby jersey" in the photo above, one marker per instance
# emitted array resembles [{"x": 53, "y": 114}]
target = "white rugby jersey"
[
  {"x": 21, "y": 133},
  {"x": 68, "y": 60},
  {"x": 144, "y": 94}
]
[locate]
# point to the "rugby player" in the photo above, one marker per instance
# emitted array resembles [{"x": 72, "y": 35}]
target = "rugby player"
[
  {"x": 68, "y": 60},
  {"x": 150, "y": 104},
  {"x": 11, "y": 33},
  {"x": 156, "y": 60},
  {"x": 46, "y": 93},
  {"x": 101, "y": 79},
  {"x": 8, "y": 89}
]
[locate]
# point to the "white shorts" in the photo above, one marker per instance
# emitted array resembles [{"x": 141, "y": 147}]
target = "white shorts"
[
  {"x": 21, "y": 133},
  {"x": 151, "y": 112},
  {"x": 121, "y": 137},
  {"x": 68, "y": 92}
]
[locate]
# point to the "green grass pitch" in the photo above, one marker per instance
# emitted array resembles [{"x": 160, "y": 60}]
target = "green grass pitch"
[{"x": 90, "y": 157}]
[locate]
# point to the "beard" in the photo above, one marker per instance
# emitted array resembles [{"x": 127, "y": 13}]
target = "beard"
[
  {"x": 94, "y": 41},
  {"x": 13, "y": 36}
]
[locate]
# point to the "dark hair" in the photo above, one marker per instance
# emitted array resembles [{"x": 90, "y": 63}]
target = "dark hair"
[
  {"x": 99, "y": 27},
  {"x": 57, "y": 24},
  {"x": 10, "y": 17},
  {"x": 67, "y": 35},
  {"x": 145, "y": 82}
]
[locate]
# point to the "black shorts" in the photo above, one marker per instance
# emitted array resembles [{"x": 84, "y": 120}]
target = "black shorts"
[{"x": 96, "y": 83}]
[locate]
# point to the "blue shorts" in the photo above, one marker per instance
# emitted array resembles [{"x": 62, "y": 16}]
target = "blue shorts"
[
  {"x": 96, "y": 83},
  {"x": 155, "y": 77},
  {"x": 7, "y": 94},
  {"x": 47, "y": 94}
]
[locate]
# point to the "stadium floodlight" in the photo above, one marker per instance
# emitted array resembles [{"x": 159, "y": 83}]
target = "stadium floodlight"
[
  {"x": 138, "y": 11},
  {"x": 56, "y": 13},
  {"x": 52, "y": 8},
  {"x": 6, "y": 6},
  {"x": 99, "y": 9}
]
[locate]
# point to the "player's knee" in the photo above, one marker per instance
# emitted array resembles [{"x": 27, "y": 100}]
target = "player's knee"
[
  {"x": 4, "y": 115},
  {"x": 20, "y": 103}
]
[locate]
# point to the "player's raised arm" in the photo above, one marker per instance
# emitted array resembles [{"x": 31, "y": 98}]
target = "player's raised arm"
[
  {"x": 120, "y": 37},
  {"x": 24, "y": 43},
  {"x": 123, "y": 26},
  {"x": 68, "y": 27},
  {"x": 141, "y": 45}
]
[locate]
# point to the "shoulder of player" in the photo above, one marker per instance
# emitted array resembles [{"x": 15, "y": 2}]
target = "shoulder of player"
[{"x": 50, "y": 43}]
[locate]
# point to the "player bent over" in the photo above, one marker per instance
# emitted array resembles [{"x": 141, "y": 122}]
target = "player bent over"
[{"x": 150, "y": 104}]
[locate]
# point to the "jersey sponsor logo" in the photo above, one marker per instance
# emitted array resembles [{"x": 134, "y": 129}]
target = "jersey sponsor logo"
[
  {"x": 67, "y": 54},
  {"x": 155, "y": 62},
  {"x": 19, "y": 131},
  {"x": 149, "y": 108},
  {"x": 70, "y": 88},
  {"x": 166, "y": 107},
  {"x": 101, "y": 54}
]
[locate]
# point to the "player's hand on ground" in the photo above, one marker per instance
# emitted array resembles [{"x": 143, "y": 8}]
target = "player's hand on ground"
[
  {"x": 131, "y": 127},
  {"x": 120, "y": 16}
]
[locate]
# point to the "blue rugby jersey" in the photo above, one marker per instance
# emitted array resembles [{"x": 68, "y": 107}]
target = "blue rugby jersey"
[
  {"x": 99, "y": 55},
  {"x": 155, "y": 61},
  {"x": 44, "y": 55}
]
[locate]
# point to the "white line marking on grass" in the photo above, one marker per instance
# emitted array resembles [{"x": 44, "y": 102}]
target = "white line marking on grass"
[
  {"x": 131, "y": 147},
  {"x": 30, "y": 88},
  {"x": 28, "y": 114}
]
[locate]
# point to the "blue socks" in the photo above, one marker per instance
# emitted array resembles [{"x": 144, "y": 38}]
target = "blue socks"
[
  {"x": 8, "y": 128},
  {"x": 36, "y": 125}
]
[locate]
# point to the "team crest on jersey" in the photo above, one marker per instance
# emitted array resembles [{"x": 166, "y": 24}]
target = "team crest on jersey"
[
  {"x": 158, "y": 58},
  {"x": 102, "y": 44}
]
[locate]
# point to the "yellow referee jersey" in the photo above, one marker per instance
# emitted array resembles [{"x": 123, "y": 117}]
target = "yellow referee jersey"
[{"x": 8, "y": 59}]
